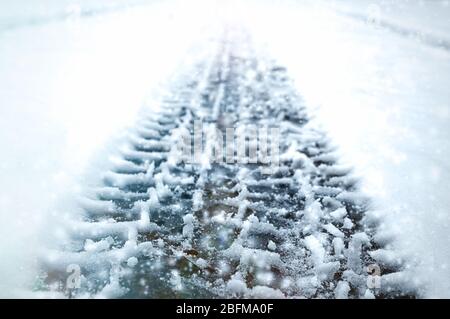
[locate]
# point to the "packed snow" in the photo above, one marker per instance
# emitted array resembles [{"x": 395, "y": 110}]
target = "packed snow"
[
  {"x": 75, "y": 74},
  {"x": 67, "y": 88}
]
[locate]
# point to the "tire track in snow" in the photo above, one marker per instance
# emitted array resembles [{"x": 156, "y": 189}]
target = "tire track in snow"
[
  {"x": 161, "y": 227},
  {"x": 423, "y": 37},
  {"x": 72, "y": 13}
]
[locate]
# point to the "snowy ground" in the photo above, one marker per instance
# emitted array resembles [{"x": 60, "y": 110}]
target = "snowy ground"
[
  {"x": 68, "y": 86},
  {"x": 385, "y": 102},
  {"x": 397, "y": 100},
  {"x": 65, "y": 88}
]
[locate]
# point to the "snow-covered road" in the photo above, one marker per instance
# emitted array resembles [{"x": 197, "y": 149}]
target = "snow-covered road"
[
  {"x": 67, "y": 87},
  {"x": 384, "y": 99}
]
